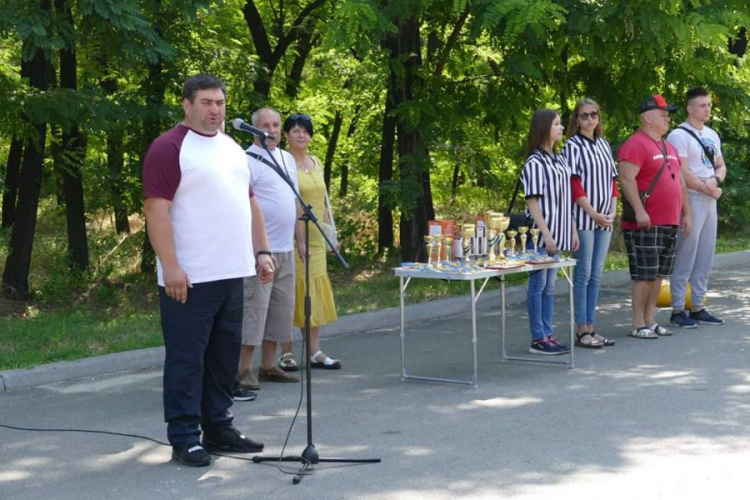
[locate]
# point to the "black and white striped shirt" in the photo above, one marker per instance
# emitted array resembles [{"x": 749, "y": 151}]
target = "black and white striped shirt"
[
  {"x": 592, "y": 162},
  {"x": 547, "y": 177}
]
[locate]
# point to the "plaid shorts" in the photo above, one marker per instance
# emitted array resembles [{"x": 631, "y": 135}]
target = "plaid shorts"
[{"x": 650, "y": 251}]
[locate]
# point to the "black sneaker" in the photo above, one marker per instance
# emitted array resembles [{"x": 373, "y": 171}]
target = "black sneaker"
[
  {"x": 192, "y": 455},
  {"x": 705, "y": 318},
  {"x": 682, "y": 320},
  {"x": 230, "y": 439},
  {"x": 242, "y": 394}
]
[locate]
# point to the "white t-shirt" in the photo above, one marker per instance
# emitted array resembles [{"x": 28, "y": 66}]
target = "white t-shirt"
[
  {"x": 276, "y": 198},
  {"x": 206, "y": 179},
  {"x": 688, "y": 147}
]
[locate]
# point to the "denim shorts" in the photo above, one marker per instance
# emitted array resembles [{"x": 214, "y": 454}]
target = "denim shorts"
[{"x": 650, "y": 251}]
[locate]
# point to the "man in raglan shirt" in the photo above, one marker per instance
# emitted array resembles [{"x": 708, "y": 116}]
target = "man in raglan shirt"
[{"x": 203, "y": 222}]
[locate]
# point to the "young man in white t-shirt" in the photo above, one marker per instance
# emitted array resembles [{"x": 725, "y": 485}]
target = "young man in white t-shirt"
[{"x": 704, "y": 170}]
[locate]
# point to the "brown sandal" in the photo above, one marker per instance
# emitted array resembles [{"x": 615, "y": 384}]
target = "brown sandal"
[{"x": 587, "y": 341}]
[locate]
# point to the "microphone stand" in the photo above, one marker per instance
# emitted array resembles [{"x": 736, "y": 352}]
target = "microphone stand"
[{"x": 310, "y": 455}]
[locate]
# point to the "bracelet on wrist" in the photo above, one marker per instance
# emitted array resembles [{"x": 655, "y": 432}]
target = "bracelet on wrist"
[
  {"x": 264, "y": 252},
  {"x": 718, "y": 181}
]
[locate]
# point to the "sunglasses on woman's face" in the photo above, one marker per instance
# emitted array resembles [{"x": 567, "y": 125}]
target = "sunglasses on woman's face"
[{"x": 589, "y": 116}]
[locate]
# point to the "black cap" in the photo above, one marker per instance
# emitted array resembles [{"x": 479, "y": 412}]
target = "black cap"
[{"x": 656, "y": 102}]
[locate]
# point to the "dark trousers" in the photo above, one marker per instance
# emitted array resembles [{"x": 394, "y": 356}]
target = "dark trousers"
[{"x": 202, "y": 342}]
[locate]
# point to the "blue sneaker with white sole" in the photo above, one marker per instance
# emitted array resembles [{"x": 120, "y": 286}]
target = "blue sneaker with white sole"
[
  {"x": 682, "y": 320},
  {"x": 705, "y": 318}
]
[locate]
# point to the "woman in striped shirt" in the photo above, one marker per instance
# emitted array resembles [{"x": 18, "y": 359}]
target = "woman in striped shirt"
[
  {"x": 594, "y": 188},
  {"x": 546, "y": 184}
]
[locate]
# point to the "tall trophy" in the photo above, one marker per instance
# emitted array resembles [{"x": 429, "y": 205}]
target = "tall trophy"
[
  {"x": 467, "y": 234},
  {"x": 493, "y": 234},
  {"x": 448, "y": 241},
  {"x": 429, "y": 242},
  {"x": 502, "y": 224},
  {"x": 512, "y": 236},
  {"x": 535, "y": 238},
  {"x": 523, "y": 230}
]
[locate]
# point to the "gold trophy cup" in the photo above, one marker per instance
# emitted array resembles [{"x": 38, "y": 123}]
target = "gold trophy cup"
[
  {"x": 493, "y": 230},
  {"x": 511, "y": 233},
  {"x": 504, "y": 223},
  {"x": 535, "y": 238},
  {"x": 428, "y": 240},
  {"x": 448, "y": 242},
  {"x": 523, "y": 230}
]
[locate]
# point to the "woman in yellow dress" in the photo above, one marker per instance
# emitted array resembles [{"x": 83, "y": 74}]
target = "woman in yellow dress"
[{"x": 299, "y": 131}]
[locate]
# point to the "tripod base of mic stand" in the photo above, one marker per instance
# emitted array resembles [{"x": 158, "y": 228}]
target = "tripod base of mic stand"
[{"x": 310, "y": 457}]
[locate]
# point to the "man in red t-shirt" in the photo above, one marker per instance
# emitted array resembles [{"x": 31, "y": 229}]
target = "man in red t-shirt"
[{"x": 648, "y": 163}]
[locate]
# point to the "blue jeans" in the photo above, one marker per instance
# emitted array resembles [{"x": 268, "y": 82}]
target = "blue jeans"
[
  {"x": 587, "y": 276},
  {"x": 540, "y": 302}
]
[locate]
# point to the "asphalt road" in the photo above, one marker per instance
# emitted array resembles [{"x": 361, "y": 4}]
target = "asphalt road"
[{"x": 666, "y": 418}]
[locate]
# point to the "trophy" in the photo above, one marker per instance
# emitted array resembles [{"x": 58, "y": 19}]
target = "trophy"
[
  {"x": 429, "y": 243},
  {"x": 437, "y": 246},
  {"x": 494, "y": 234},
  {"x": 535, "y": 238},
  {"x": 448, "y": 241},
  {"x": 523, "y": 230},
  {"x": 467, "y": 233},
  {"x": 512, "y": 235},
  {"x": 504, "y": 222}
]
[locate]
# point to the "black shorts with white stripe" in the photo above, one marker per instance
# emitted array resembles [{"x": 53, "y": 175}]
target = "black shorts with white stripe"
[{"x": 650, "y": 251}]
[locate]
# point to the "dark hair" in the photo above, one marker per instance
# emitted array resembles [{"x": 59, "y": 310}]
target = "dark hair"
[
  {"x": 201, "y": 82},
  {"x": 573, "y": 124},
  {"x": 540, "y": 129},
  {"x": 695, "y": 92},
  {"x": 303, "y": 121}
]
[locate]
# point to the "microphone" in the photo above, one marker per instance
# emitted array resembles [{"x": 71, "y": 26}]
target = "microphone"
[{"x": 240, "y": 124}]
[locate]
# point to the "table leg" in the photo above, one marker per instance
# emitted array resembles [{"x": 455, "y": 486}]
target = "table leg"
[
  {"x": 403, "y": 345},
  {"x": 475, "y": 379}
]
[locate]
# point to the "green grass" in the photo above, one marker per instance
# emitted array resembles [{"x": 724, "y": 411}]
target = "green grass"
[
  {"x": 79, "y": 333},
  {"x": 113, "y": 308}
]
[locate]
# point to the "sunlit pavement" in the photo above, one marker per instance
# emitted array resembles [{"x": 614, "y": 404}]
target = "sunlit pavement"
[{"x": 666, "y": 418}]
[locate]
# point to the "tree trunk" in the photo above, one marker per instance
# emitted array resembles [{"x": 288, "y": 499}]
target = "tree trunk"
[
  {"x": 414, "y": 167},
  {"x": 18, "y": 263},
  {"x": 270, "y": 58},
  {"x": 344, "y": 181},
  {"x": 385, "y": 175},
  {"x": 154, "y": 89},
  {"x": 12, "y": 174},
  {"x": 74, "y": 152},
  {"x": 738, "y": 46},
  {"x": 332, "y": 141},
  {"x": 116, "y": 164},
  {"x": 304, "y": 47},
  {"x": 454, "y": 181}
]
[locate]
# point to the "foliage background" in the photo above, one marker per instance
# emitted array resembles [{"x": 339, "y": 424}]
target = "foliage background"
[{"x": 406, "y": 95}]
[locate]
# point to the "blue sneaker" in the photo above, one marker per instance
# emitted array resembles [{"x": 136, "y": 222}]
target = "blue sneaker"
[
  {"x": 545, "y": 348},
  {"x": 561, "y": 347},
  {"x": 682, "y": 320},
  {"x": 705, "y": 318}
]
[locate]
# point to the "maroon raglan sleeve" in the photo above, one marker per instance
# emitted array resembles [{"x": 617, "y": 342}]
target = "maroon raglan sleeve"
[{"x": 161, "y": 167}]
